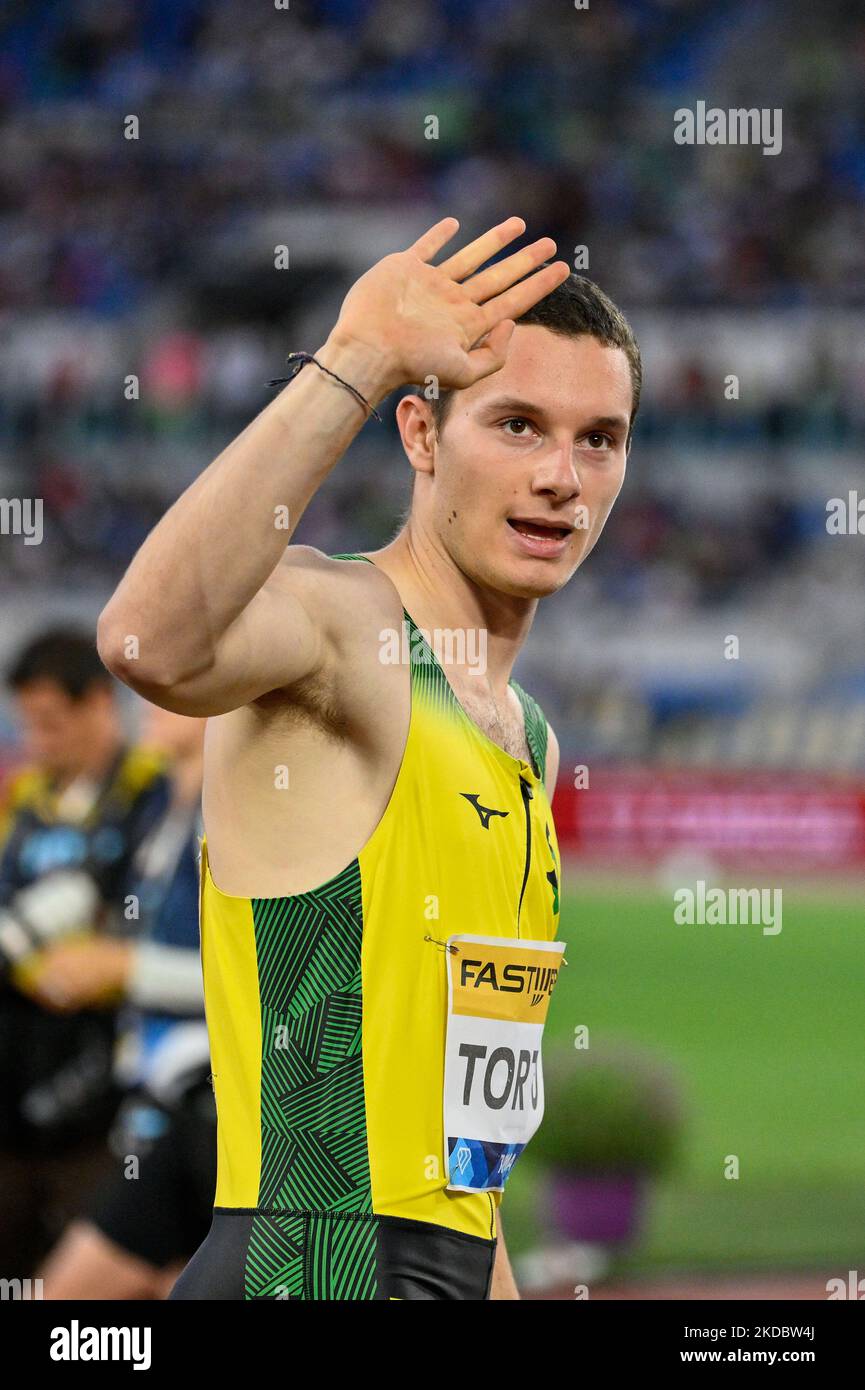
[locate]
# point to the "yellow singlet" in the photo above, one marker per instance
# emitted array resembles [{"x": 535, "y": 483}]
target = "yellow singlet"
[{"x": 327, "y": 1013}]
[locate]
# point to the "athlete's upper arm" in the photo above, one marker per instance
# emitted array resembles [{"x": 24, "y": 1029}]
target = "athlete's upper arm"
[
  {"x": 282, "y": 636},
  {"x": 551, "y": 771}
]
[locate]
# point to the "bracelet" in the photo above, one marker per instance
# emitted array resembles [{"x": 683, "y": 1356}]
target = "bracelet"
[{"x": 300, "y": 359}]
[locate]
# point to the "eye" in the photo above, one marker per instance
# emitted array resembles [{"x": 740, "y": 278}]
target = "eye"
[
  {"x": 596, "y": 439},
  {"x": 518, "y": 420}
]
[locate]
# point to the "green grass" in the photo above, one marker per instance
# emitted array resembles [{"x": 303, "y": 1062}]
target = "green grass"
[{"x": 765, "y": 1034}]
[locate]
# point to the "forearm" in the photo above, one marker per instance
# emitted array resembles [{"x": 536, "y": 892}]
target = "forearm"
[
  {"x": 218, "y": 544},
  {"x": 196, "y": 598},
  {"x": 503, "y": 1284}
]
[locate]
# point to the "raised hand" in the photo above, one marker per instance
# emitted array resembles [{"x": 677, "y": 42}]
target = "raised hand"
[{"x": 445, "y": 320}]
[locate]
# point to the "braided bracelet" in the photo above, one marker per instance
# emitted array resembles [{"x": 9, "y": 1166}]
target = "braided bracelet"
[{"x": 300, "y": 359}]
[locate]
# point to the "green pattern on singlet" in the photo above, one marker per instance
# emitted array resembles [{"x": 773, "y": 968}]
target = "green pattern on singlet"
[
  {"x": 313, "y": 1141},
  {"x": 537, "y": 731},
  {"x": 314, "y": 1154}
]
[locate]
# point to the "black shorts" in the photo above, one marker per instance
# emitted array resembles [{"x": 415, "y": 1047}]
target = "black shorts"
[
  {"x": 163, "y": 1214},
  {"x": 254, "y": 1254}
]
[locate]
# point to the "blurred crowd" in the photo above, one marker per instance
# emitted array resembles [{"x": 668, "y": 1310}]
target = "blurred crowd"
[
  {"x": 566, "y": 112},
  {"x": 141, "y": 314}
]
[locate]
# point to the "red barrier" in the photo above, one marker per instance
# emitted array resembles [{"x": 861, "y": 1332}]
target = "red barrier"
[{"x": 805, "y": 821}]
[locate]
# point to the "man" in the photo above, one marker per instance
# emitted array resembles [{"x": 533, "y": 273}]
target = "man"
[
  {"x": 149, "y": 1216},
  {"x": 74, "y": 819},
  {"x": 380, "y": 875}
]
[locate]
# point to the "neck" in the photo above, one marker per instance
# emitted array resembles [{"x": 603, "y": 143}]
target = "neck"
[{"x": 439, "y": 595}]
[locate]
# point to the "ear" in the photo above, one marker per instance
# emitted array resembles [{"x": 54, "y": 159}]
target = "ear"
[{"x": 418, "y": 433}]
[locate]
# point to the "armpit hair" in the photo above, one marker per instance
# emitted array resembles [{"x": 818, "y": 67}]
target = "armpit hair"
[{"x": 308, "y": 700}]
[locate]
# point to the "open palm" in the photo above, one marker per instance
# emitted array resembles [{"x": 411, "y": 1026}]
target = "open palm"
[{"x": 447, "y": 321}]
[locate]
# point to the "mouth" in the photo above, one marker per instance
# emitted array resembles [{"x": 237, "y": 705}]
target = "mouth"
[{"x": 540, "y": 538}]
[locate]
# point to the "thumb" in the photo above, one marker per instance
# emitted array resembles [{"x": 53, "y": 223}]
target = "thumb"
[{"x": 491, "y": 353}]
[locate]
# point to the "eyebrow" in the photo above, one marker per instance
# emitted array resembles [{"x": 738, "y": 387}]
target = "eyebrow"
[{"x": 513, "y": 405}]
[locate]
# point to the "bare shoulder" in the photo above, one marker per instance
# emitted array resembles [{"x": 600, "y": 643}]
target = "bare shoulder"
[
  {"x": 344, "y": 595},
  {"x": 354, "y": 605},
  {"x": 339, "y": 729}
]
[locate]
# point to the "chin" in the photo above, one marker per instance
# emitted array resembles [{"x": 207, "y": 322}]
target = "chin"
[
  {"x": 532, "y": 581},
  {"x": 541, "y": 578}
]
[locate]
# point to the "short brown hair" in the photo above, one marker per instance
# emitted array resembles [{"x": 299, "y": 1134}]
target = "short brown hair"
[{"x": 576, "y": 307}]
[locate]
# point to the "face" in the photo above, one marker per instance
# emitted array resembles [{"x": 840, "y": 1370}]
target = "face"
[
  {"x": 61, "y": 733},
  {"x": 529, "y": 463}
]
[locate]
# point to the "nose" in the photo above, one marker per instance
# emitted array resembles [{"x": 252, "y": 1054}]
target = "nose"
[{"x": 557, "y": 474}]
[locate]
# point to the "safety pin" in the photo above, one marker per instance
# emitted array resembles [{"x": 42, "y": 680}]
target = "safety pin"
[{"x": 443, "y": 945}]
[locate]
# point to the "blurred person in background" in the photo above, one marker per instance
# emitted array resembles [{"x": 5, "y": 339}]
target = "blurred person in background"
[
  {"x": 147, "y": 1219},
  {"x": 74, "y": 819}
]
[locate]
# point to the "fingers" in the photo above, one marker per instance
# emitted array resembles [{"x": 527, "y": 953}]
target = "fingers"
[
  {"x": 515, "y": 301},
  {"x": 491, "y": 355},
  {"x": 463, "y": 262},
  {"x": 435, "y": 238},
  {"x": 503, "y": 274}
]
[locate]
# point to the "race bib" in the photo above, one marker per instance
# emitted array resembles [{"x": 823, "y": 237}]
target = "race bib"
[{"x": 498, "y": 994}]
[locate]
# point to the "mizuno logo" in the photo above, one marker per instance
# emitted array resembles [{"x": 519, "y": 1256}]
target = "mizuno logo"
[{"x": 485, "y": 812}]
